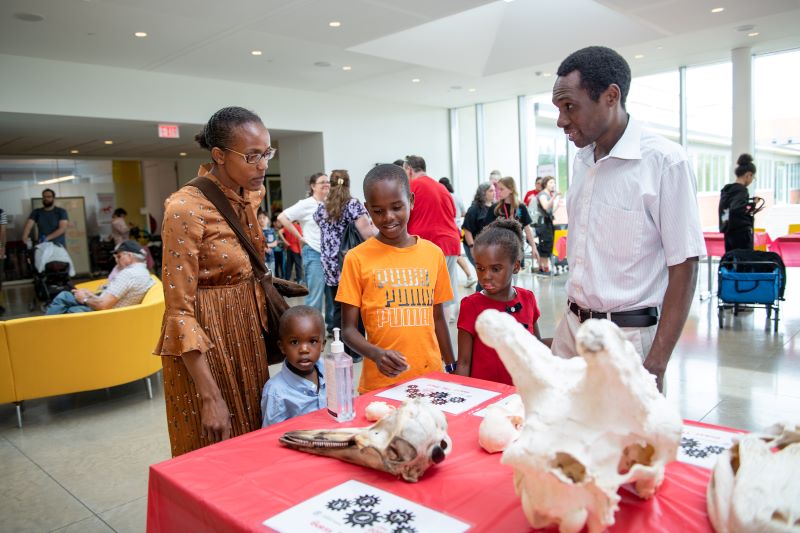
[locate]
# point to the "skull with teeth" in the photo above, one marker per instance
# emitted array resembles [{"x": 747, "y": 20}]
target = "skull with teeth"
[
  {"x": 592, "y": 423},
  {"x": 404, "y": 443}
]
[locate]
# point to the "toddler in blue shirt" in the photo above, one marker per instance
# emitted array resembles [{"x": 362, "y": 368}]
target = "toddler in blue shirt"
[{"x": 299, "y": 387}]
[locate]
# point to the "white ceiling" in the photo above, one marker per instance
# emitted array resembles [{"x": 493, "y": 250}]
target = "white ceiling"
[{"x": 492, "y": 46}]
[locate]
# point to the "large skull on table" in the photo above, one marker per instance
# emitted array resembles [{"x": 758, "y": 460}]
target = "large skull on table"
[
  {"x": 404, "y": 443},
  {"x": 753, "y": 488},
  {"x": 592, "y": 423}
]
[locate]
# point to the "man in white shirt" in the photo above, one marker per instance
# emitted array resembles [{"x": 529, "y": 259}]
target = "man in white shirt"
[
  {"x": 634, "y": 226},
  {"x": 303, "y": 212},
  {"x": 128, "y": 287}
]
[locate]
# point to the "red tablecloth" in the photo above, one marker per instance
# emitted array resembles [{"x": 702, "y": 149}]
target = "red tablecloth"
[
  {"x": 788, "y": 247},
  {"x": 237, "y": 484}
]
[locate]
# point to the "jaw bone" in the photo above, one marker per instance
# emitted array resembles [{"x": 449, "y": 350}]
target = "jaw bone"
[
  {"x": 592, "y": 423},
  {"x": 754, "y": 489},
  {"x": 404, "y": 443}
]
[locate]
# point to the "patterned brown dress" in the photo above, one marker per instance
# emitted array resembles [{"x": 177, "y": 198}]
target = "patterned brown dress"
[{"x": 213, "y": 305}]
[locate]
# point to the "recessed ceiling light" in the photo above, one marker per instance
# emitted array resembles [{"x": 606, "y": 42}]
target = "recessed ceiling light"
[
  {"x": 255, "y": 52},
  {"x": 28, "y": 17},
  {"x": 546, "y": 74},
  {"x": 752, "y": 34},
  {"x": 347, "y": 67},
  {"x": 659, "y": 47},
  {"x": 334, "y": 24},
  {"x": 415, "y": 80},
  {"x": 140, "y": 34},
  {"x": 638, "y": 56},
  {"x": 508, "y": 1},
  {"x": 74, "y": 151},
  {"x": 471, "y": 90},
  {"x": 108, "y": 142},
  {"x": 718, "y": 10},
  {"x": 183, "y": 154}
]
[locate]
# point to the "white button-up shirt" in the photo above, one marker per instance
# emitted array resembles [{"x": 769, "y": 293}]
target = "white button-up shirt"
[{"x": 632, "y": 214}]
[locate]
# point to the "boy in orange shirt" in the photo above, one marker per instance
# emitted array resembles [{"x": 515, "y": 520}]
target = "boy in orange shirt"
[{"x": 398, "y": 283}]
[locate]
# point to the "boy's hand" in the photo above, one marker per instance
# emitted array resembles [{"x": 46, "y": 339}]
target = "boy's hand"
[{"x": 390, "y": 362}]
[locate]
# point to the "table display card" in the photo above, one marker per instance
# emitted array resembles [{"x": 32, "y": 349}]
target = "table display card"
[
  {"x": 449, "y": 397},
  {"x": 500, "y": 403},
  {"x": 700, "y": 446},
  {"x": 355, "y": 506}
]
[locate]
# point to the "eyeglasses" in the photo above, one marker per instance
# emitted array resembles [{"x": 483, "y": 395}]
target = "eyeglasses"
[{"x": 252, "y": 159}]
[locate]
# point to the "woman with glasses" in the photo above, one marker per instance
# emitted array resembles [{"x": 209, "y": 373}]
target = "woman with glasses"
[
  {"x": 310, "y": 243},
  {"x": 212, "y": 335}
]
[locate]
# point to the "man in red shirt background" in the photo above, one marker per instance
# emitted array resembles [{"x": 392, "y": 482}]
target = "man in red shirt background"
[{"x": 433, "y": 218}]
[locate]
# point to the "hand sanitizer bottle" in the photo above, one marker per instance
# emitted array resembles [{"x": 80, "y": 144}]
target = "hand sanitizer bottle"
[{"x": 339, "y": 381}]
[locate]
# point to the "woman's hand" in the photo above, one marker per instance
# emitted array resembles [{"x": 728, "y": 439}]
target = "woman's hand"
[
  {"x": 216, "y": 420},
  {"x": 390, "y": 362}
]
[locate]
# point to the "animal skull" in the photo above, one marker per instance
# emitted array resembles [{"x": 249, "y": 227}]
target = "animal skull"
[
  {"x": 592, "y": 423},
  {"x": 754, "y": 489},
  {"x": 404, "y": 443},
  {"x": 377, "y": 410},
  {"x": 501, "y": 425}
]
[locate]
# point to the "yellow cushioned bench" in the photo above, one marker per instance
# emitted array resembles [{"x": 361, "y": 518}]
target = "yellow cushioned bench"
[{"x": 62, "y": 354}]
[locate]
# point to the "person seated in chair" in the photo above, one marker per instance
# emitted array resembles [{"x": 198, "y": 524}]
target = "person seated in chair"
[{"x": 128, "y": 287}]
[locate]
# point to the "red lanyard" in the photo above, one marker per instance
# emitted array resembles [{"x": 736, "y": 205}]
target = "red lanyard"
[{"x": 505, "y": 209}]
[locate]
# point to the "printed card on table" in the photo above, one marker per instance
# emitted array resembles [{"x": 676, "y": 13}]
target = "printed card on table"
[
  {"x": 501, "y": 403},
  {"x": 355, "y": 506},
  {"x": 700, "y": 446},
  {"x": 449, "y": 397}
]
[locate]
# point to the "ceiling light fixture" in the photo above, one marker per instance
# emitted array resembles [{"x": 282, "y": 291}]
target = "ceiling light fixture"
[
  {"x": 183, "y": 154},
  {"x": 255, "y": 52},
  {"x": 752, "y": 34},
  {"x": 415, "y": 80},
  {"x": 28, "y": 17},
  {"x": 74, "y": 151},
  {"x": 334, "y": 24},
  {"x": 140, "y": 34},
  {"x": 471, "y": 90},
  {"x": 546, "y": 74},
  {"x": 718, "y": 10},
  {"x": 108, "y": 142},
  {"x": 347, "y": 67},
  {"x": 638, "y": 56},
  {"x": 57, "y": 180}
]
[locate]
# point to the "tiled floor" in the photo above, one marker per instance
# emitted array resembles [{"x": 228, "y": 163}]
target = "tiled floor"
[{"x": 80, "y": 462}]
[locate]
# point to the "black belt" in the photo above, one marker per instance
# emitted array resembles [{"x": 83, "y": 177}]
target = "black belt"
[{"x": 636, "y": 318}]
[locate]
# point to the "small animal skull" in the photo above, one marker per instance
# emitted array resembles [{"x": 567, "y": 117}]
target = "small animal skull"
[
  {"x": 501, "y": 425},
  {"x": 754, "y": 489},
  {"x": 592, "y": 423},
  {"x": 404, "y": 443}
]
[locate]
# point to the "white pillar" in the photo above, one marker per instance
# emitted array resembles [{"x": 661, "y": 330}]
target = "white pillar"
[{"x": 742, "y": 84}]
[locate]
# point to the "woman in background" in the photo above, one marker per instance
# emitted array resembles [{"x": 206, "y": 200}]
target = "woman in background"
[
  {"x": 735, "y": 209},
  {"x": 333, "y": 216}
]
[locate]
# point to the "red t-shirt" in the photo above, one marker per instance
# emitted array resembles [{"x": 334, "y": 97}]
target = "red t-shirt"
[
  {"x": 486, "y": 364},
  {"x": 527, "y": 199},
  {"x": 434, "y": 215},
  {"x": 291, "y": 240}
]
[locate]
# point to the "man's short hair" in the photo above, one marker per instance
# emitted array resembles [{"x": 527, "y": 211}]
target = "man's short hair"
[
  {"x": 297, "y": 311},
  {"x": 599, "y": 67},
  {"x": 386, "y": 172},
  {"x": 416, "y": 163},
  {"x": 120, "y": 212},
  {"x": 51, "y": 191}
]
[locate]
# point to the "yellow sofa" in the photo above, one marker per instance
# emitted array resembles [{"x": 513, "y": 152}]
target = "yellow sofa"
[{"x": 62, "y": 354}]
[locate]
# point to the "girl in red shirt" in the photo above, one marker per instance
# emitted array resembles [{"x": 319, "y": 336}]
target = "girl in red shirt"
[{"x": 497, "y": 252}]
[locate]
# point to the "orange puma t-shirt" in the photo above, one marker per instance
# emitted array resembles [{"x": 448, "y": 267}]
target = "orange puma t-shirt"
[{"x": 396, "y": 289}]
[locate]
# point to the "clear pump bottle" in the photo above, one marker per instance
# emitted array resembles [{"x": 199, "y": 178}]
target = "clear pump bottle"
[{"x": 339, "y": 381}]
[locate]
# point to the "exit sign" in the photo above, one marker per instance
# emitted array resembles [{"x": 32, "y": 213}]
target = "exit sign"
[{"x": 168, "y": 131}]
